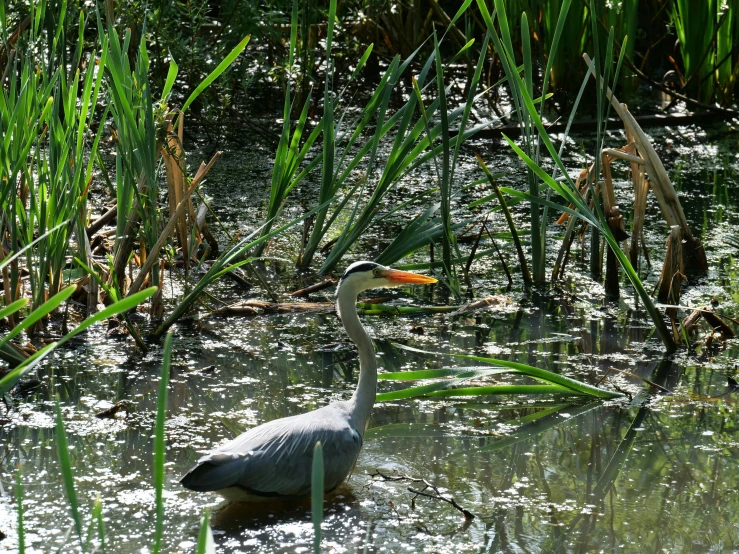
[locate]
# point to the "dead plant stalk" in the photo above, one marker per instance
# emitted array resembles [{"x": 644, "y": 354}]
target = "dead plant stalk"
[{"x": 153, "y": 255}]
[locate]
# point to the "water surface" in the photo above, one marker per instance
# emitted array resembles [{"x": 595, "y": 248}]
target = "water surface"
[{"x": 653, "y": 472}]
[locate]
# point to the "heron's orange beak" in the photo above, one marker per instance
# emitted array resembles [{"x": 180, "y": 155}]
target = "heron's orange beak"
[{"x": 406, "y": 277}]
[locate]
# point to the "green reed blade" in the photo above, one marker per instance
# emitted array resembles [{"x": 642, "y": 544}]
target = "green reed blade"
[
  {"x": 23, "y": 250},
  {"x": 445, "y": 185},
  {"x": 96, "y": 524},
  {"x": 160, "y": 445},
  {"x": 12, "y": 377},
  {"x": 316, "y": 494},
  {"x": 67, "y": 473},
  {"x": 206, "y": 544},
  {"x": 172, "y": 72},
  {"x": 97, "y": 513},
  {"x": 543, "y": 202},
  {"x": 19, "y": 502},
  {"x": 227, "y": 61},
  {"x": 531, "y": 371},
  {"x": 39, "y": 313},
  {"x": 421, "y": 390},
  {"x": 509, "y": 219},
  {"x": 474, "y": 83},
  {"x": 289, "y": 155},
  {"x": 123, "y": 305},
  {"x": 489, "y": 390},
  {"x": 13, "y": 307},
  {"x": 421, "y": 374}
]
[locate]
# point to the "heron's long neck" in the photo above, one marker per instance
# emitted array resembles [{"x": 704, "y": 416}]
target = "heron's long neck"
[{"x": 364, "y": 397}]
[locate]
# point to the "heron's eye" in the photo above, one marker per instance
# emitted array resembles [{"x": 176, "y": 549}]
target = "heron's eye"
[{"x": 376, "y": 272}]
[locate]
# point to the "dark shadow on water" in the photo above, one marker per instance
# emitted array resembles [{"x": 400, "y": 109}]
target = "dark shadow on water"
[{"x": 236, "y": 517}]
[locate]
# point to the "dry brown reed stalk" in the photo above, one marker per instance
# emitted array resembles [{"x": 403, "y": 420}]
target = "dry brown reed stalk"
[
  {"x": 641, "y": 189},
  {"x": 175, "y": 216},
  {"x": 693, "y": 253},
  {"x": 671, "y": 278},
  {"x": 314, "y": 288},
  {"x": 103, "y": 220},
  {"x": 581, "y": 184},
  {"x": 256, "y": 307},
  {"x": 714, "y": 320},
  {"x": 173, "y": 156}
]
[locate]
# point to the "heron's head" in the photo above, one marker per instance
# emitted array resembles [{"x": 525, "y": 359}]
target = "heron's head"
[{"x": 368, "y": 275}]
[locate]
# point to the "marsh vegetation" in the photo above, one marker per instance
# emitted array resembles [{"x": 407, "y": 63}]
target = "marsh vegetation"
[{"x": 181, "y": 184}]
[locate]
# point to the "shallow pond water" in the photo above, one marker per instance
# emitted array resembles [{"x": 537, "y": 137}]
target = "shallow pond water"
[{"x": 653, "y": 472}]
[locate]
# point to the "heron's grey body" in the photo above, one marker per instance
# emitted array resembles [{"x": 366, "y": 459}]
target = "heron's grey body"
[
  {"x": 275, "y": 458},
  {"x": 272, "y": 460}
]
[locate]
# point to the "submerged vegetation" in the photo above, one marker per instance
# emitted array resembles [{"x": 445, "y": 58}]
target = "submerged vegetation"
[{"x": 385, "y": 122}]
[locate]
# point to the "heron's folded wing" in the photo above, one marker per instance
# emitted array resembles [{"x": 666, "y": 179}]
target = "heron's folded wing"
[
  {"x": 275, "y": 459},
  {"x": 283, "y": 465}
]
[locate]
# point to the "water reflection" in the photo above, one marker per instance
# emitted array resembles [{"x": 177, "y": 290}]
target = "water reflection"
[{"x": 656, "y": 472}]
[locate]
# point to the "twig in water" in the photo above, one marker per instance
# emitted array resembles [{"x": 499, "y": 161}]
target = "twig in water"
[
  {"x": 426, "y": 486},
  {"x": 629, "y": 374},
  {"x": 500, "y": 256},
  {"x": 314, "y": 288}
]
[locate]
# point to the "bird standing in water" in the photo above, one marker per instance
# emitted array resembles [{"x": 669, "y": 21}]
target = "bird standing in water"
[{"x": 274, "y": 459}]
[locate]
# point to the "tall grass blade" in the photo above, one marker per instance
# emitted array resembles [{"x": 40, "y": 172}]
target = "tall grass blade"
[
  {"x": 160, "y": 445},
  {"x": 316, "y": 493},
  {"x": 11, "y": 257},
  {"x": 447, "y": 237},
  {"x": 227, "y": 61},
  {"x": 535, "y": 372},
  {"x": 96, "y": 524},
  {"x": 286, "y": 173},
  {"x": 206, "y": 544},
  {"x": 512, "y": 390},
  {"x": 67, "y": 473},
  {"x": 509, "y": 219},
  {"x": 39, "y": 313},
  {"x": 19, "y": 501},
  {"x": 12, "y": 308}
]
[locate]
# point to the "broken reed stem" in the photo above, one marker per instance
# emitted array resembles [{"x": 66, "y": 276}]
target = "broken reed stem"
[
  {"x": 153, "y": 255},
  {"x": 664, "y": 191},
  {"x": 641, "y": 189},
  {"x": 426, "y": 486}
]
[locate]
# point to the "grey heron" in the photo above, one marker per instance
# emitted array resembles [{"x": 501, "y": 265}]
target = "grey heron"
[{"x": 274, "y": 459}]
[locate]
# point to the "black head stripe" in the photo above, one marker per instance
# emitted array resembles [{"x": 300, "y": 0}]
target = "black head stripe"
[{"x": 359, "y": 267}]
